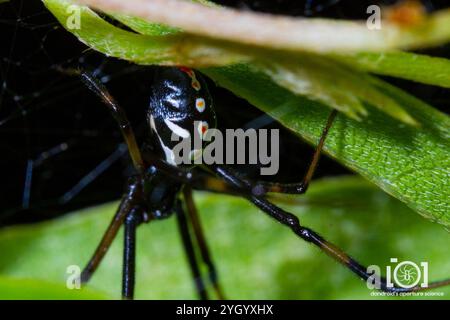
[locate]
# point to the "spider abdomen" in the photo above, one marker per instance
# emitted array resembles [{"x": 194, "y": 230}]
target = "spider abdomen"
[{"x": 180, "y": 107}]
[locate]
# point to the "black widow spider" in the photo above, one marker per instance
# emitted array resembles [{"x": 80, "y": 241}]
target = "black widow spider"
[{"x": 179, "y": 97}]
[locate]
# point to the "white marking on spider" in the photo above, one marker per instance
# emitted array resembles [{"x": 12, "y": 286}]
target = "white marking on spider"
[
  {"x": 152, "y": 124},
  {"x": 170, "y": 156},
  {"x": 177, "y": 129}
]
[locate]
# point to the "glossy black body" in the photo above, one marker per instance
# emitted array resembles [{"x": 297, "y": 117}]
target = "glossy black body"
[
  {"x": 160, "y": 193},
  {"x": 174, "y": 94}
]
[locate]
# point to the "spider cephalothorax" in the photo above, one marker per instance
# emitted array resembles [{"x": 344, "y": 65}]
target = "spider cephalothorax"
[{"x": 180, "y": 107}]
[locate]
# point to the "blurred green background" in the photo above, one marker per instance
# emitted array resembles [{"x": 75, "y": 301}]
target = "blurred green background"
[{"x": 256, "y": 257}]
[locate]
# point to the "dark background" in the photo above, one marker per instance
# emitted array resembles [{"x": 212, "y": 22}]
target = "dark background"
[{"x": 54, "y": 122}]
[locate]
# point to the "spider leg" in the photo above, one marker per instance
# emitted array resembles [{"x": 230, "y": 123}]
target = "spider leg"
[
  {"x": 132, "y": 221},
  {"x": 190, "y": 252},
  {"x": 117, "y": 112},
  {"x": 291, "y": 221},
  {"x": 127, "y": 204},
  {"x": 201, "y": 240},
  {"x": 261, "y": 188}
]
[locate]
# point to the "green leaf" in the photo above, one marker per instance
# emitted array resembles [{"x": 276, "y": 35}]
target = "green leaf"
[
  {"x": 142, "y": 26},
  {"x": 32, "y": 289},
  {"x": 411, "y": 164},
  {"x": 151, "y": 29},
  {"x": 333, "y": 84},
  {"x": 410, "y": 66},
  {"x": 256, "y": 257},
  {"x": 166, "y": 48}
]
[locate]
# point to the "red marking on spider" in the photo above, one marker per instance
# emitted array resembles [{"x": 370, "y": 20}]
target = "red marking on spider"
[
  {"x": 203, "y": 127},
  {"x": 188, "y": 71}
]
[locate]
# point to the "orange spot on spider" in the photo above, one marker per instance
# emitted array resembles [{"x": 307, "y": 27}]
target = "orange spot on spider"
[{"x": 200, "y": 104}]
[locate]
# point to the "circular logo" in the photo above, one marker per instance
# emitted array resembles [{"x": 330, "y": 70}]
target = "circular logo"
[{"x": 407, "y": 274}]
